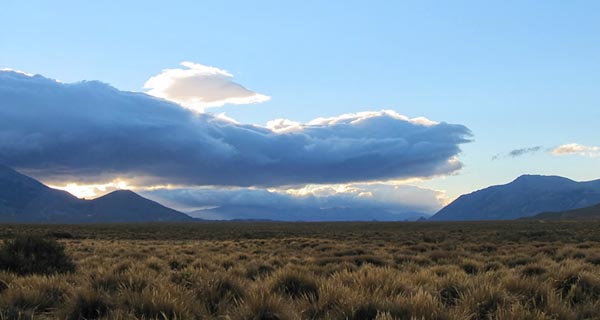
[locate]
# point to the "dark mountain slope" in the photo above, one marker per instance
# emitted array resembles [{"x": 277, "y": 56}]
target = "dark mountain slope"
[
  {"x": 127, "y": 206},
  {"x": 526, "y": 196},
  {"x": 589, "y": 213},
  {"x": 23, "y": 199}
]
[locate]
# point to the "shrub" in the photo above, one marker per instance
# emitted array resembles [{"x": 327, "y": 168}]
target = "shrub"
[
  {"x": 176, "y": 265},
  {"x": 296, "y": 285},
  {"x": 450, "y": 294},
  {"x": 35, "y": 255},
  {"x": 221, "y": 292},
  {"x": 470, "y": 267},
  {"x": 362, "y": 260},
  {"x": 35, "y": 293},
  {"x": 519, "y": 261},
  {"x": 335, "y": 302},
  {"x": 531, "y": 292},
  {"x": 492, "y": 266},
  {"x": 579, "y": 287},
  {"x": 349, "y": 252},
  {"x": 255, "y": 272},
  {"x": 533, "y": 270},
  {"x": 88, "y": 305},
  {"x": 367, "y": 311},
  {"x": 484, "y": 300},
  {"x": 441, "y": 256},
  {"x": 264, "y": 307},
  {"x": 61, "y": 235},
  {"x": 155, "y": 304},
  {"x": 3, "y": 286},
  {"x": 594, "y": 260}
]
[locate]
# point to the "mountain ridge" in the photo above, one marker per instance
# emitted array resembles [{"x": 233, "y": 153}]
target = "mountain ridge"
[
  {"x": 587, "y": 213},
  {"x": 24, "y": 199},
  {"x": 525, "y": 196}
]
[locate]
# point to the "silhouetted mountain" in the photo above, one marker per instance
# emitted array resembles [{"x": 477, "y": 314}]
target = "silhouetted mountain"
[
  {"x": 526, "y": 196},
  {"x": 588, "y": 213},
  {"x": 235, "y": 212},
  {"x": 23, "y": 199},
  {"x": 127, "y": 206}
]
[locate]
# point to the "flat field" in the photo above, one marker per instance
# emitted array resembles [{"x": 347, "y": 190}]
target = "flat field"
[{"x": 263, "y": 270}]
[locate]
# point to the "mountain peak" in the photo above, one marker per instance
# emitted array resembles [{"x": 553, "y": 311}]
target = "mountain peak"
[
  {"x": 122, "y": 193},
  {"x": 525, "y": 196},
  {"x": 529, "y": 181},
  {"x": 25, "y": 199},
  {"x": 538, "y": 177}
]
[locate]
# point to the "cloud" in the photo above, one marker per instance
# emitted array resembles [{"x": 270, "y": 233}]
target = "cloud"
[
  {"x": 577, "y": 149},
  {"x": 314, "y": 203},
  {"x": 198, "y": 87},
  {"x": 87, "y": 132},
  {"x": 518, "y": 152}
]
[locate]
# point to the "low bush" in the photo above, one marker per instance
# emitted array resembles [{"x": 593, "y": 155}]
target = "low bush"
[
  {"x": 296, "y": 285},
  {"x": 88, "y": 305},
  {"x": 265, "y": 307},
  {"x": 533, "y": 270},
  {"x": 35, "y": 255}
]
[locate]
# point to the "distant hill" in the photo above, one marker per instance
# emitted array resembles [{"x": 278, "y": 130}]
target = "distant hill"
[
  {"x": 589, "y": 213},
  {"x": 526, "y": 196},
  {"x": 24, "y": 199},
  {"x": 237, "y": 212},
  {"x": 128, "y": 206}
]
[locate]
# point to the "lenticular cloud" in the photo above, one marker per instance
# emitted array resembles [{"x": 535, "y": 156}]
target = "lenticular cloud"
[
  {"x": 198, "y": 86},
  {"x": 90, "y": 130}
]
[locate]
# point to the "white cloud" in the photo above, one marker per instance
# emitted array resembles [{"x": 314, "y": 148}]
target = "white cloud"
[
  {"x": 198, "y": 87},
  {"x": 17, "y": 71},
  {"x": 284, "y": 125},
  {"x": 356, "y": 118},
  {"x": 577, "y": 149}
]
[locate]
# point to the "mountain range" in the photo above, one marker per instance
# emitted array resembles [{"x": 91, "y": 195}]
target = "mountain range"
[
  {"x": 526, "y": 196},
  {"x": 256, "y": 212},
  {"x": 24, "y": 199}
]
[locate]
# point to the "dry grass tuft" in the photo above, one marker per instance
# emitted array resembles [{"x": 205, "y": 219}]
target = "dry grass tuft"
[
  {"x": 296, "y": 285},
  {"x": 512, "y": 270}
]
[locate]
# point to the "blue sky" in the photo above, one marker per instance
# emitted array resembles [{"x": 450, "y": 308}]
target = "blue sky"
[{"x": 518, "y": 74}]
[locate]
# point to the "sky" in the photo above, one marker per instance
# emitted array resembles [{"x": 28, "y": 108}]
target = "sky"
[{"x": 506, "y": 88}]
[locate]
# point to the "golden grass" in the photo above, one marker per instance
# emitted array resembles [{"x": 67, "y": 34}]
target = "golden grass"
[{"x": 518, "y": 270}]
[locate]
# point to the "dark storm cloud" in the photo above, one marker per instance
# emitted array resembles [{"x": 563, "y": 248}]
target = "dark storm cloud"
[{"x": 90, "y": 130}]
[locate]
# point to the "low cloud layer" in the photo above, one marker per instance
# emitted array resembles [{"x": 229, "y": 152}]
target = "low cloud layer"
[
  {"x": 198, "y": 86},
  {"x": 315, "y": 203},
  {"x": 577, "y": 149},
  {"x": 90, "y": 131}
]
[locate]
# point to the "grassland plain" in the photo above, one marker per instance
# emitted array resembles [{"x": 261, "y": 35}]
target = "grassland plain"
[{"x": 476, "y": 270}]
